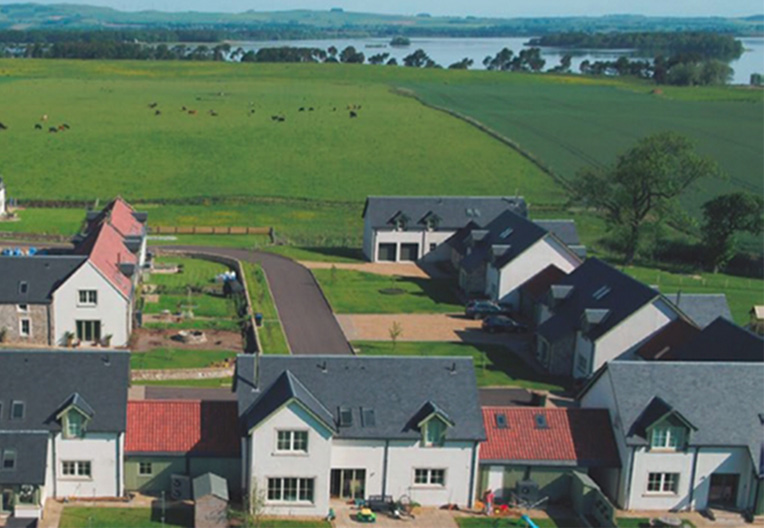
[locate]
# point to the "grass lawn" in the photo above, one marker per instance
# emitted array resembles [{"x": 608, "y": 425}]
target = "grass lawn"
[
  {"x": 498, "y": 522},
  {"x": 83, "y": 517},
  {"x": 197, "y": 273},
  {"x": 352, "y": 291},
  {"x": 197, "y": 383},
  {"x": 272, "y": 338},
  {"x": 204, "y": 305},
  {"x": 228, "y": 325},
  {"x": 48, "y": 221},
  {"x": 495, "y": 365},
  {"x": 175, "y": 358},
  {"x": 742, "y": 293}
]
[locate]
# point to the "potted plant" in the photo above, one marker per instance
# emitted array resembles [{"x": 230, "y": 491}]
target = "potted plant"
[
  {"x": 3, "y": 334},
  {"x": 69, "y": 339},
  {"x": 106, "y": 341}
]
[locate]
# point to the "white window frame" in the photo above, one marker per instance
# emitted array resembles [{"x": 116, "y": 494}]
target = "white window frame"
[
  {"x": 78, "y": 466},
  {"x": 91, "y": 298},
  {"x": 671, "y": 435},
  {"x": 28, "y": 331},
  {"x": 292, "y": 440},
  {"x": 22, "y": 308},
  {"x": 282, "y": 487},
  {"x": 142, "y": 465},
  {"x": 429, "y": 481},
  {"x": 67, "y": 430},
  {"x": 663, "y": 480}
]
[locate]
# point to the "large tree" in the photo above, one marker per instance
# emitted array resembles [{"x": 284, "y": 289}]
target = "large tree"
[
  {"x": 724, "y": 216},
  {"x": 643, "y": 185}
]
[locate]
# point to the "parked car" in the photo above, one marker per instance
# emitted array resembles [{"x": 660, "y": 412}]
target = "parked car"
[
  {"x": 502, "y": 323},
  {"x": 482, "y": 309}
]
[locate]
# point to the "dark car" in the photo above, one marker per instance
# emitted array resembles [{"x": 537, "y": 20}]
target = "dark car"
[
  {"x": 482, "y": 309},
  {"x": 502, "y": 323}
]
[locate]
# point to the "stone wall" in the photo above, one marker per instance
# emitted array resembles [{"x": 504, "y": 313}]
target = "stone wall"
[{"x": 10, "y": 318}]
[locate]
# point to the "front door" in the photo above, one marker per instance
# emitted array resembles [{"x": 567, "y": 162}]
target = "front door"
[
  {"x": 6, "y": 501},
  {"x": 387, "y": 252},
  {"x": 348, "y": 483},
  {"x": 409, "y": 252},
  {"x": 723, "y": 490},
  {"x": 89, "y": 331}
]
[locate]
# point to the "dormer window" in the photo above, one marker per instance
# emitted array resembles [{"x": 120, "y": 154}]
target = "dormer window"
[
  {"x": 74, "y": 424},
  {"x": 17, "y": 410},
  {"x": 9, "y": 460},
  {"x": 667, "y": 437},
  {"x": 434, "y": 432}
]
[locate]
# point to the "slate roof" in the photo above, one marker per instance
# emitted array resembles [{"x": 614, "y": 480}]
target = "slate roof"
[
  {"x": 45, "y": 379},
  {"x": 537, "y": 286},
  {"x": 31, "y": 457},
  {"x": 702, "y": 308},
  {"x": 574, "y": 437},
  {"x": 396, "y": 388},
  {"x": 722, "y": 400},
  {"x": 664, "y": 341},
  {"x": 623, "y": 296},
  {"x": 42, "y": 273},
  {"x": 77, "y": 401},
  {"x": 454, "y": 212},
  {"x": 106, "y": 250},
  {"x": 210, "y": 484},
  {"x": 565, "y": 230},
  {"x": 722, "y": 340},
  {"x": 187, "y": 427}
]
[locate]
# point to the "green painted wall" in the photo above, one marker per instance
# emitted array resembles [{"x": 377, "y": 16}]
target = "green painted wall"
[
  {"x": 164, "y": 467},
  {"x": 553, "y": 482},
  {"x": 759, "y": 510}
]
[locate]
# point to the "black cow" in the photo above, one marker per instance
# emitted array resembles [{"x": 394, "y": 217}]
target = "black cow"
[
  {"x": 38, "y": 126},
  {"x": 3, "y": 126},
  {"x": 302, "y": 109},
  {"x": 310, "y": 109},
  {"x": 353, "y": 114},
  {"x": 52, "y": 130},
  {"x": 66, "y": 126},
  {"x": 157, "y": 112},
  {"x": 153, "y": 105}
]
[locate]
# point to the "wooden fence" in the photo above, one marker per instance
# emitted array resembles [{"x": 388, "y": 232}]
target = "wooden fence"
[{"x": 207, "y": 230}]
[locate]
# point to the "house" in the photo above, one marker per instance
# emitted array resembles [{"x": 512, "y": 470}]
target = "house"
[
  {"x": 689, "y": 434},
  {"x": 533, "y": 291},
  {"x": 62, "y": 426},
  {"x": 595, "y": 314},
  {"x": 180, "y": 437},
  {"x": 702, "y": 308},
  {"x": 542, "y": 448},
  {"x": 756, "y": 323},
  {"x": 85, "y": 296},
  {"x": 130, "y": 224},
  {"x": 721, "y": 341},
  {"x": 210, "y": 494},
  {"x": 498, "y": 259},
  {"x": 409, "y": 228},
  {"x": 317, "y": 427}
]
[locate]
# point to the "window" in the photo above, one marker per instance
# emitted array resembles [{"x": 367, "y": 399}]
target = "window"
[
  {"x": 662, "y": 482},
  {"x": 290, "y": 489},
  {"x": 433, "y": 246},
  {"x": 23, "y": 287},
  {"x": 346, "y": 417},
  {"x": 17, "y": 410},
  {"x": 76, "y": 468},
  {"x": 582, "y": 363},
  {"x": 434, "y": 432},
  {"x": 25, "y": 327},
  {"x": 88, "y": 298},
  {"x": 9, "y": 460},
  {"x": 667, "y": 437},
  {"x": 74, "y": 425},
  {"x": 292, "y": 441},
  {"x": 89, "y": 330},
  {"x": 144, "y": 468},
  {"x": 430, "y": 477},
  {"x": 368, "y": 418},
  {"x": 22, "y": 308}
]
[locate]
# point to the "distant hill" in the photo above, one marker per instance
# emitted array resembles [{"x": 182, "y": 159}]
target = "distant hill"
[{"x": 332, "y": 23}]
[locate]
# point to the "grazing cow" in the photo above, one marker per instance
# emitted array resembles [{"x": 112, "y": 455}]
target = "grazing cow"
[
  {"x": 52, "y": 130},
  {"x": 281, "y": 119},
  {"x": 302, "y": 109},
  {"x": 61, "y": 128},
  {"x": 192, "y": 112},
  {"x": 157, "y": 112},
  {"x": 183, "y": 108},
  {"x": 66, "y": 126},
  {"x": 252, "y": 111},
  {"x": 3, "y": 126},
  {"x": 274, "y": 118},
  {"x": 310, "y": 109},
  {"x": 353, "y": 114},
  {"x": 334, "y": 109},
  {"x": 153, "y": 105},
  {"x": 213, "y": 113},
  {"x": 38, "y": 126},
  {"x": 44, "y": 117}
]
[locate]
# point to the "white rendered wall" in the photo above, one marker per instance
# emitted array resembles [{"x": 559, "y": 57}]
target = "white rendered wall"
[
  {"x": 361, "y": 454},
  {"x": 723, "y": 460},
  {"x": 422, "y": 237},
  {"x": 113, "y": 310},
  {"x": 100, "y": 449}
]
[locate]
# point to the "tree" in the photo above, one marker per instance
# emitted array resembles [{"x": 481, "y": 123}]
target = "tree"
[
  {"x": 723, "y": 217},
  {"x": 253, "y": 508},
  {"x": 351, "y": 56},
  {"x": 379, "y": 58},
  {"x": 645, "y": 181},
  {"x": 418, "y": 59},
  {"x": 395, "y": 332},
  {"x": 463, "y": 64}
]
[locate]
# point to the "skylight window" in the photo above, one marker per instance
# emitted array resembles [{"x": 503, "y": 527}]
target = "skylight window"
[
  {"x": 23, "y": 287},
  {"x": 368, "y": 418},
  {"x": 501, "y": 421},
  {"x": 346, "y": 417},
  {"x": 508, "y": 231},
  {"x": 601, "y": 293},
  {"x": 540, "y": 420}
]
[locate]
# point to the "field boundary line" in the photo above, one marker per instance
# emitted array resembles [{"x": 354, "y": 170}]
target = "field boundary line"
[{"x": 404, "y": 92}]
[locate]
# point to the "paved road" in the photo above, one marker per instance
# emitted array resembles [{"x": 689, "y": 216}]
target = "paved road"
[{"x": 307, "y": 318}]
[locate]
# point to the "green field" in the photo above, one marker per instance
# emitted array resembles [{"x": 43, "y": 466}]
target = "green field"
[
  {"x": 351, "y": 291},
  {"x": 495, "y": 365},
  {"x": 271, "y": 334}
]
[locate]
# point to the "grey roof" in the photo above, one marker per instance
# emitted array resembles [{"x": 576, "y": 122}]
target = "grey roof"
[
  {"x": 621, "y": 296},
  {"x": 722, "y": 400},
  {"x": 396, "y": 388},
  {"x": 77, "y": 401},
  {"x": 453, "y": 212},
  {"x": 722, "y": 340},
  {"x": 702, "y": 308},
  {"x": 565, "y": 230},
  {"x": 210, "y": 484},
  {"x": 509, "y": 236},
  {"x": 31, "y": 457},
  {"x": 46, "y": 379},
  {"x": 43, "y": 274}
]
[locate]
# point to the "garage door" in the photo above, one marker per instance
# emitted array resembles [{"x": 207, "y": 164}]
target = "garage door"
[
  {"x": 386, "y": 252},
  {"x": 409, "y": 251}
]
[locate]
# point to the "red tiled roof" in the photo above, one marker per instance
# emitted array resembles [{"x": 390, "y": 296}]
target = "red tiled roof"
[
  {"x": 120, "y": 214},
  {"x": 106, "y": 250},
  {"x": 204, "y": 428},
  {"x": 582, "y": 437},
  {"x": 538, "y": 285},
  {"x": 665, "y": 341}
]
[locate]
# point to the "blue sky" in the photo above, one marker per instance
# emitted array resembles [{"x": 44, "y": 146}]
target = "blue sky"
[{"x": 496, "y": 8}]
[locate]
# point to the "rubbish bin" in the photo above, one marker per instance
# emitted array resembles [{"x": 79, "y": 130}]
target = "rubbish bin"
[{"x": 258, "y": 319}]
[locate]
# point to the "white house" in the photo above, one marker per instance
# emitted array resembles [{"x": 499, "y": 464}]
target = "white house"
[
  {"x": 353, "y": 427},
  {"x": 62, "y": 426},
  {"x": 409, "y": 228},
  {"x": 689, "y": 434},
  {"x": 595, "y": 314}
]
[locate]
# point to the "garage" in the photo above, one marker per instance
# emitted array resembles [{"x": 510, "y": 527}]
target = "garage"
[
  {"x": 409, "y": 252},
  {"x": 387, "y": 252}
]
